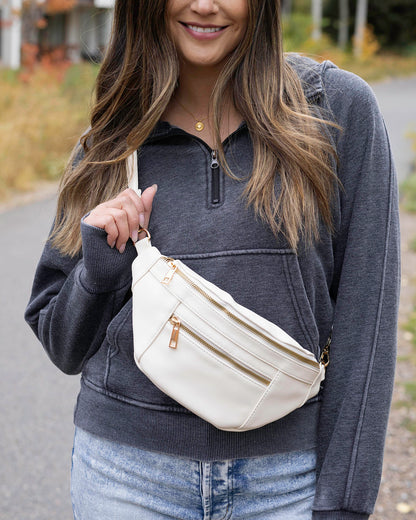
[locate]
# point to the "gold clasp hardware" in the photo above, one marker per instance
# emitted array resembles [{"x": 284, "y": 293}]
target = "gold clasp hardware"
[
  {"x": 144, "y": 230},
  {"x": 325, "y": 353},
  {"x": 169, "y": 275},
  {"x": 173, "y": 343}
]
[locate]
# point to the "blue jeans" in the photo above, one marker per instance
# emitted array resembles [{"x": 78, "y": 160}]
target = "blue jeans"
[{"x": 113, "y": 481}]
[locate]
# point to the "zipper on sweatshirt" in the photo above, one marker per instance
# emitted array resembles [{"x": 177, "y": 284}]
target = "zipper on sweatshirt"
[
  {"x": 215, "y": 170},
  {"x": 215, "y": 178},
  {"x": 215, "y": 198}
]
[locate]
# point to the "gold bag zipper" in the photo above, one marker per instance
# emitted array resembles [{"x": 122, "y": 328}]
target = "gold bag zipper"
[
  {"x": 175, "y": 270},
  {"x": 173, "y": 343}
]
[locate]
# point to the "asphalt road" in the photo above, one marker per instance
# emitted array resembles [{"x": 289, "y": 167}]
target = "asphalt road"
[
  {"x": 397, "y": 99},
  {"x": 36, "y": 399}
]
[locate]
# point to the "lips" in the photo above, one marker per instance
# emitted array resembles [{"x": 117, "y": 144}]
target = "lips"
[{"x": 203, "y": 32}]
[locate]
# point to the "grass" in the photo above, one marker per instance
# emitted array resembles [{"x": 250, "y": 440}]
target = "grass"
[
  {"x": 41, "y": 120},
  {"x": 408, "y": 187},
  {"x": 410, "y": 425},
  {"x": 410, "y": 386},
  {"x": 411, "y": 391},
  {"x": 381, "y": 66},
  {"x": 410, "y": 326},
  {"x": 372, "y": 66},
  {"x": 408, "y": 193}
]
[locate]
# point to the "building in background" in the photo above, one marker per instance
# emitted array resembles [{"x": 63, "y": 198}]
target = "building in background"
[
  {"x": 82, "y": 31},
  {"x": 10, "y": 33},
  {"x": 79, "y": 29}
]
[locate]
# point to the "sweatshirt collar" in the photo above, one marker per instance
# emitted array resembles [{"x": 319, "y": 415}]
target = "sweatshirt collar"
[{"x": 308, "y": 70}]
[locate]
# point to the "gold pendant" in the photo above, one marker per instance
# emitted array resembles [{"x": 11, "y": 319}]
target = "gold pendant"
[{"x": 199, "y": 126}]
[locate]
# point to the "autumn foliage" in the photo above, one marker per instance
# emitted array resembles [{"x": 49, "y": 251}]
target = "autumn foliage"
[
  {"x": 35, "y": 17},
  {"x": 54, "y": 63},
  {"x": 41, "y": 121},
  {"x": 59, "y": 6}
]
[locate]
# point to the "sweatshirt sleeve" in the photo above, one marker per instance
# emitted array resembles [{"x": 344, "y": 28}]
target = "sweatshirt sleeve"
[
  {"x": 359, "y": 381},
  {"x": 74, "y": 299}
]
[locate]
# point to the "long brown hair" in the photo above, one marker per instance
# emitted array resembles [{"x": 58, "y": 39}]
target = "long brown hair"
[{"x": 136, "y": 81}]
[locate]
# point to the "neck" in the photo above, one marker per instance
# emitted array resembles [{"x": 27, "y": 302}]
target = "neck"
[{"x": 195, "y": 87}]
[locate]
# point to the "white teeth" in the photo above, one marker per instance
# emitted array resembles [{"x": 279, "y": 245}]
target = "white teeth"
[{"x": 196, "y": 28}]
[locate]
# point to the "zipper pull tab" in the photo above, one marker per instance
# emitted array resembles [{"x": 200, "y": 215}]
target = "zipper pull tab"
[
  {"x": 169, "y": 275},
  {"x": 325, "y": 353},
  {"x": 215, "y": 178},
  {"x": 173, "y": 343},
  {"x": 214, "y": 160}
]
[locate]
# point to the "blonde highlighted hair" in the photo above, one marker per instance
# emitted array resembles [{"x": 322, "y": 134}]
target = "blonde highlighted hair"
[{"x": 137, "y": 80}]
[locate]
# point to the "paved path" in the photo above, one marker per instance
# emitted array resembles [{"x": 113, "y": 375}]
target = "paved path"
[
  {"x": 397, "y": 99},
  {"x": 36, "y": 399}
]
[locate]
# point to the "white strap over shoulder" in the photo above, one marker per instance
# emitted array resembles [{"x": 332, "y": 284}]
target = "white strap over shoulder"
[{"x": 132, "y": 173}]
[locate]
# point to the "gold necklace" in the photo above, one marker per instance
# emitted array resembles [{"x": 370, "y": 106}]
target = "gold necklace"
[{"x": 199, "y": 124}]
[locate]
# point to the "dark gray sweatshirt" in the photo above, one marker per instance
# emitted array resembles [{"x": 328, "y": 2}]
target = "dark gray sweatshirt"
[{"x": 80, "y": 308}]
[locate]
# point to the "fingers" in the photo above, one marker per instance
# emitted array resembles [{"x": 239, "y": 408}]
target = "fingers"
[
  {"x": 123, "y": 229},
  {"x": 147, "y": 200},
  {"x": 131, "y": 206},
  {"x": 123, "y": 216}
]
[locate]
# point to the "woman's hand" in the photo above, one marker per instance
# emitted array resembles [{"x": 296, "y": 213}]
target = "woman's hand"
[{"x": 123, "y": 216}]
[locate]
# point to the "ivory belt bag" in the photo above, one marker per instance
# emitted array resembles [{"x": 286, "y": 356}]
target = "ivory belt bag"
[{"x": 218, "y": 359}]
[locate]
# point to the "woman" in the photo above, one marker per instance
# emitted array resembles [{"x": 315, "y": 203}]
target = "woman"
[{"x": 274, "y": 180}]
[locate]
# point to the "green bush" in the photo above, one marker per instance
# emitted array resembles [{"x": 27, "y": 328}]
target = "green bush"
[
  {"x": 296, "y": 31},
  {"x": 408, "y": 192}
]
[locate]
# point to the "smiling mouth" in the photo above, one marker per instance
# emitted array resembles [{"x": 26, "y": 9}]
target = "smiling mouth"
[{"x": 199, "y": 29}]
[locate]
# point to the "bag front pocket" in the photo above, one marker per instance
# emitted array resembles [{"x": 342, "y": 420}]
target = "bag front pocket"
[
  {"x": 202, "y": 376},
  {"x": 179, "y": 328}
]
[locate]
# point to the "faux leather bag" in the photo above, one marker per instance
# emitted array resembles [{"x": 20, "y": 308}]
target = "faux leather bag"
[{"x": 218, "y": 359}]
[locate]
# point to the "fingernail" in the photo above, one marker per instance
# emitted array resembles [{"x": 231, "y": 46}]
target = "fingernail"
[
  {"x": 155, "y": 186},
  {"x": 113, "y": 244},
  {"x": 122, "y": 248},
  {"x": 141, "y": 220},
  {"x": 135, "y": 236}
]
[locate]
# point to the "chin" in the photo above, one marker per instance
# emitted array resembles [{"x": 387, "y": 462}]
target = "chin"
[{"x": 205, "y": 61}]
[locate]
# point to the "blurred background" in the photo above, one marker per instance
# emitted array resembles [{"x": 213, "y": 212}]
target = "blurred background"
[{"x": 50, "y": 52}]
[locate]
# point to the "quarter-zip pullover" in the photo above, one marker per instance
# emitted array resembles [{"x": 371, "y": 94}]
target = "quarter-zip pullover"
[{"x": 80, "y": 308}]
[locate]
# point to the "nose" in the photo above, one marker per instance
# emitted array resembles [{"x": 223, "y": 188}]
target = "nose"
[{"x": 204, "y": 7}]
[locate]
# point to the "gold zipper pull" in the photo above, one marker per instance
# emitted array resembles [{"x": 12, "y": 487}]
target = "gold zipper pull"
[
  {"x": 325, "y": 353},
  {"x": 169, "y": 275},
  {"x": 173, "y": 343}
]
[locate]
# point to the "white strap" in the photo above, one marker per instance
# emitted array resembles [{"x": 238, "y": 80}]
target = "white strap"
[{"x": 132, "y": 173}]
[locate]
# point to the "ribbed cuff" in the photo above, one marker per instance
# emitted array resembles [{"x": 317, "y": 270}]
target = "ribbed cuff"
[
  {"x": 339, "y": 515},
  {"x": 104, "y": 269}
]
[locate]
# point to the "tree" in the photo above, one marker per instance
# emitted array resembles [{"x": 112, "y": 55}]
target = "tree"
[
  {"x": 33, "y": 15},
  {"x": 343, "y": 29},
  {"x": 392, "y": 21},
  {"x": 360, "y": 25},
  {"x": 317, "y": 7},
  {"x": 287, "y": 7}
]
